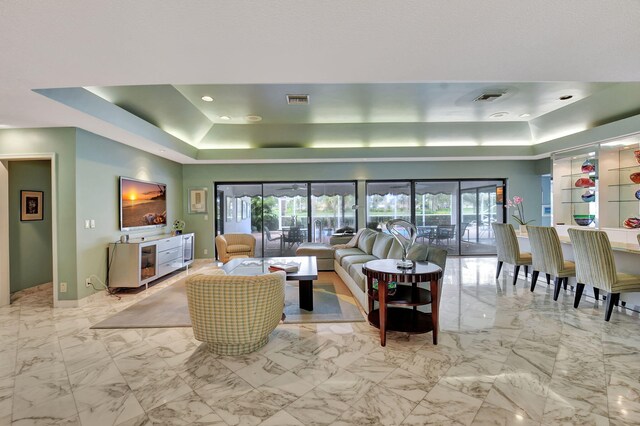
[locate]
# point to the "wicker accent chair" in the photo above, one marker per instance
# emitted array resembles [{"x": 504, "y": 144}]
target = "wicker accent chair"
[
  {"x": 235, "y": 314},
  {"x": 229, "y": 245},
  {"x": 509, "y": 250},
  {"x": 547, "y": 257},
  {"x": 596, "y": 267}
]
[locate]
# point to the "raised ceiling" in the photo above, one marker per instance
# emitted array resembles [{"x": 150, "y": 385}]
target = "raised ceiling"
[
  {"x": 365, "y": 115},
  {"x": 380, "y": 74}
]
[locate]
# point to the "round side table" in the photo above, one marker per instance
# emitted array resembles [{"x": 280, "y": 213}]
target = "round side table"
[{"x": 390, "y": 315}]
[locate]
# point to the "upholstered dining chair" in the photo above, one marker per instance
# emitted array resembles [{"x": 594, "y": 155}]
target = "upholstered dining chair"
[
  {"x": 509, "y": 250},
  {"x": 595, "y": 266},
  {"x": 229, "y": 245},
  {"x": 547, "y": 257}
]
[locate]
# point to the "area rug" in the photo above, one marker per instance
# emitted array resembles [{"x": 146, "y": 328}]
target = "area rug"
[{"x": 168, "y": 308}]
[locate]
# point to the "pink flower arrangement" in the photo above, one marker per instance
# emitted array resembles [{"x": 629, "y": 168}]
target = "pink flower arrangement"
[{"x": 518, "y": 216}]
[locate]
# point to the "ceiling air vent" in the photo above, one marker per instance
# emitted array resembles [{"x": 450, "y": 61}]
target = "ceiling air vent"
[
  {"x": 488, "y": 97},
  {"x": 298, "y": 99}
]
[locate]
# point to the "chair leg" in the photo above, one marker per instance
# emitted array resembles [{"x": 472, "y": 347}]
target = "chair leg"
[
  {"x": 499, "y": 268},
  {"x": 548, "y": 279},
  {"x": 612, "y": 299},
  {"x": 516, "y": 270},
  {"x": 565, "y": 281},
  {"x": 526, "y": 272},
  {"x": 534, "y": 279},
  {"x": 556, "y": 290},
  {"x": 596, "y": 293},
  {"x": 579, "y": 290}
]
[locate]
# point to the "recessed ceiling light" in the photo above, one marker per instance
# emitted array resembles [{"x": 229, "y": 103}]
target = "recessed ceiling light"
[
  {"x": 565, "y": 97},
  {"x": 499, "y": 114},
  {"x": 207, "y": 98},
  {"x": 225, "y": 117},
  {"x": 163, "y": 150},
  {"x": 253, "y": 118},
  {"x": 525, "y": 115}
]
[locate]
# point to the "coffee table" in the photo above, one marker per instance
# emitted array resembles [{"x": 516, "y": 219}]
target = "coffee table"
[{"x": 305, "y": 275}]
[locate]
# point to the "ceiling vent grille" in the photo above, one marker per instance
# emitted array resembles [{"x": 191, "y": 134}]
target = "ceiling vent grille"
[
  {"x": 488, "y": 97},
  {"x": 298, "y": 99}
]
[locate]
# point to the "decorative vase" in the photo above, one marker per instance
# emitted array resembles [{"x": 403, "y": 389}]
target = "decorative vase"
[
  {"x": 589, "y": 196},
  {"x": 523, "y": 229},
  {"x": 587, "y": 167}
]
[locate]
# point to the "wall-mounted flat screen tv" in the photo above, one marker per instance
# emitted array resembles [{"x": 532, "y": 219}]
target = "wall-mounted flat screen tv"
[{"x": 143, "y": 205}]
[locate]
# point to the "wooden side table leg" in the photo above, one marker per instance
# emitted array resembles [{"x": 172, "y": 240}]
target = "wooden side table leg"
[
  {"x": 435, "y": 307},
  {"x": 369, "y": 293},
  {"x": 382, "y": 302}
]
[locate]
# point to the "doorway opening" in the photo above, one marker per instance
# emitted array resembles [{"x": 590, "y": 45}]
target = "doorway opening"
[{"x": 28, "y": 232}]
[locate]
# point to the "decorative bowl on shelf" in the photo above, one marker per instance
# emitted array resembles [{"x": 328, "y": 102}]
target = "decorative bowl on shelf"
[
  {"x": 635, "y": 177},
  {"x": 589, "y": 196},
  {"x": 636, "y": 153},
  {"x": 584, "y": 182},
  {"x": 584, "y": 219},
  {"x": 588, "y": 167},
  {"x": 638, "y": 194},
  {"x": 631, "y": 223}
]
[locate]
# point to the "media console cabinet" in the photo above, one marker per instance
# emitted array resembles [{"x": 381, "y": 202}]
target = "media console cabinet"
[{"x": 142, "y": 260}]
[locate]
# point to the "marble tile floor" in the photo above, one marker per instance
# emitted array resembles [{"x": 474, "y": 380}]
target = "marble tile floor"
[{"x": 506, "y": 356}]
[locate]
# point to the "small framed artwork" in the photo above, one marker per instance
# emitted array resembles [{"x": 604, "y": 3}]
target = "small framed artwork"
[
  {"x": 31, "y": 205},
  {"x": 238, "y": 209},
  {"x": 245, "y": 209},
  {"x": 197, "y": 200},
  {"x": 546, "y": 210},
  {"x": 230, "y": 205}
]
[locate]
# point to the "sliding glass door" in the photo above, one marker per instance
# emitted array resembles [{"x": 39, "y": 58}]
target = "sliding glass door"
[
  {"x": 452, "y": 214},
  {"x": 285, "y": 217},
  {"x": 386, "y": 201},
  {"x": 332, "y": 209},
  {"x": 277, "y": 214},
  {"x": 437, "y": 208},
  {"x": 482, "y": 205}
]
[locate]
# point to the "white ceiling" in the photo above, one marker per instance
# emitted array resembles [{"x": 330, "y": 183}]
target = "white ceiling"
[{"x": 78, "y": 43}]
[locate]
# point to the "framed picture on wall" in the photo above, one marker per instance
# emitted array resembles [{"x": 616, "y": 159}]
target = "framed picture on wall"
[
  {"x": 238, "y": 209},
  {"x": 197, "y": 200},
  {"x": 31, "y": 205},
  {"x": 229, "y": 204},
  {"x": 546, "y": 210}
]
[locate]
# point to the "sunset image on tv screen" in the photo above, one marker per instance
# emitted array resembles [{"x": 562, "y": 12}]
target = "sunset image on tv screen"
[{"x": 143, "y": 203}]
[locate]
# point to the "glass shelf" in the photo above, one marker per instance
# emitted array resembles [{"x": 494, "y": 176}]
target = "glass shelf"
[
  {"x": 589, "y": 174},
  {"x": 624, "y": 184},
  {"x": 624, "y": 201},
  {"x": 584, "y": 189},
  {"x": 625, "y": 168},
  {"x": 580, "y": 202}
]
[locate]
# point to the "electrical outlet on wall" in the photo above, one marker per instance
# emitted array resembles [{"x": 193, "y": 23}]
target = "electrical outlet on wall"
[
  {"x": 63, "y": 287},
  {"x": 87, "y": 282},
  {"x": 206, "y": 251}
]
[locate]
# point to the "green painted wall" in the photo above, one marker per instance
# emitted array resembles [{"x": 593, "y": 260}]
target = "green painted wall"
[
  {"x": 61, "y": 142},
  {"x": 523, "y": 179},
  {"x": 88, "y": 167},
  {"x": 30, "y": 244},
  {"x": 99, "y": 164}
]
